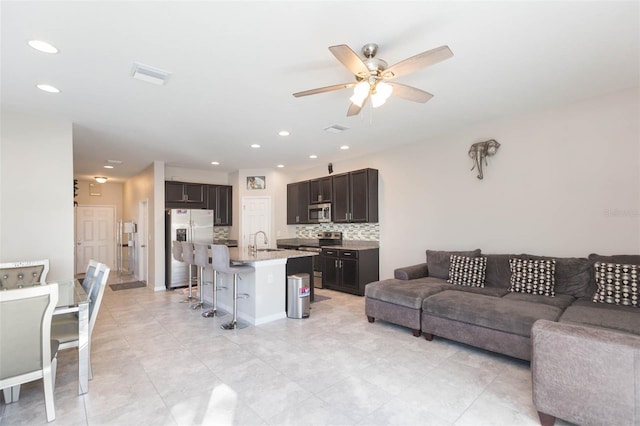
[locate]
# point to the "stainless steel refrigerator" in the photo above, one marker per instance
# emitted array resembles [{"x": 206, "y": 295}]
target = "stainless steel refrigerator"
[{"x": 184, "y": 225}]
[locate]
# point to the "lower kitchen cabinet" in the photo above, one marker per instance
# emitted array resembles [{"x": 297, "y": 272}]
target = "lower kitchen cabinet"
[{"x": 349, "y": 270}]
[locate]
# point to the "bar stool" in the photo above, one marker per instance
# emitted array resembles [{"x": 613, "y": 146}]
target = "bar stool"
[
  {"x": 188, "y": 258},
  {"x": 213, "y": 312},
  {"x": 221, "y": 263}
]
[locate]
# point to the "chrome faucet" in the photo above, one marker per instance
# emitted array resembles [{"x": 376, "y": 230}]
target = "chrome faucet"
[{"x": 253, "y": 248}]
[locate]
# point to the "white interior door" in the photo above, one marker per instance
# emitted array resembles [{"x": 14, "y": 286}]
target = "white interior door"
[
  {"x": 143, "y": 240},
  {"x": 95, "y": 236},
  {"x": 256, "y": 216}
]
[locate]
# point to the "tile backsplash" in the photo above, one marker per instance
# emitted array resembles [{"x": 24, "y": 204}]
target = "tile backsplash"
[
  {"x": 221, "y": 232},
  {"x": 350, "y": 231}
]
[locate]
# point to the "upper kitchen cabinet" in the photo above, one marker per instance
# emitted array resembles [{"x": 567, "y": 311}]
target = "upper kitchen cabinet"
[
  {"x": 355, "y": 196},
  {"x": 219, "y": 199},
  {"x": 298, "y": 203},
  {"x": 320, "y": 190},
  {"x": 184, "y": 195}
]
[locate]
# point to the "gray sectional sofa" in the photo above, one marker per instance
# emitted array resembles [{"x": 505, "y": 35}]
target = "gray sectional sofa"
[{"x": 496, "y": 318}]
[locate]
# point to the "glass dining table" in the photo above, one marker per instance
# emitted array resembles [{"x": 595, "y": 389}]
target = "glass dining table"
[{"x": 73, "y": 298}]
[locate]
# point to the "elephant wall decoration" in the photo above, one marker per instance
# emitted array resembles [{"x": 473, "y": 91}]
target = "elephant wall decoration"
[{"x": 480, "y": 151}]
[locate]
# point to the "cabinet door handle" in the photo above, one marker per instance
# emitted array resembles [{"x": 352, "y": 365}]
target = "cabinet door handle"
[
  {"x": 335, "y": 263},
  {"x": 346, "y": 253}
]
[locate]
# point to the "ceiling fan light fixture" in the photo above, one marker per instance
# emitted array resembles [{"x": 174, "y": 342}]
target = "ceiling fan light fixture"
[
  {"x": 360, "y": 93},
  {"x": 380, "y": 94}
]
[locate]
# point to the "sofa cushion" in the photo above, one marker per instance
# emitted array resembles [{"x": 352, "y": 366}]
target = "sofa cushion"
[
  {"x": 621, "y": 318},
  {"x": 467, "y": 271},
  {"x": 438, "y": 261},
  {"x": 617, "y": 284},
  {"x": 487, "y": 291},
  {"x": 405, "y": 293},
  {"x": 574, "y": 275},
  {"x": 498, "y": 272},
  {"x": 559, "y": 300},
  {"x": 532, "y": 276},
  {"x": 497, "y": 313}
]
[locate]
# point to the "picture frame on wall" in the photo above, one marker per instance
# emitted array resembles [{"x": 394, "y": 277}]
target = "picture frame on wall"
[{"x": 256, "y": 182}]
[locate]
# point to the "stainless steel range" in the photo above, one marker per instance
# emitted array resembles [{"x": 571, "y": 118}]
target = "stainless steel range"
[{"x": 324, "y": 239}]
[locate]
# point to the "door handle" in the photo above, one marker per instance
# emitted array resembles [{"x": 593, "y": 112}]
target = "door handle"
[{"x": 144, "y": 245}]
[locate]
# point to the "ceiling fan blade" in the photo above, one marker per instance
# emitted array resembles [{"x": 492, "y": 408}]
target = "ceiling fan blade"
[
  {"x": 418, "y": 61},
  {"x": 350, "y": 59},
  {"x": 409, "y": 93},
  {"x": 324, "y": 89},
  {"x": 355, "y": 109}
]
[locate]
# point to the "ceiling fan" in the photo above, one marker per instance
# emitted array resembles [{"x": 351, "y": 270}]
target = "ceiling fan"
[{"x": 373, "y": 74}]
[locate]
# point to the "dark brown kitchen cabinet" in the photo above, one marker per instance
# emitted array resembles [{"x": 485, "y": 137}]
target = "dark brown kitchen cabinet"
[
  {"x": 184, "y": 195},
  {"x": 219, "y": 199},
  {"x": 320, "y": 190},
  {"x": 349, "y": 271},
  {"x": 355, "y": 196},
  {"x": 298, "y": 203}
]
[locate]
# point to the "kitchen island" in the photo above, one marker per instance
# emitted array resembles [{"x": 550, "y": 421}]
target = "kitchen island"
[{"x": 265, "y": 287}]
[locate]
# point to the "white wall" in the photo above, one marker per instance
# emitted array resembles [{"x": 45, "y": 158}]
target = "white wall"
[
  {"x": 276, "y": 189},
  {"x": 149, "y": 185},
  {"x": 195, "y": 175},
  {"x": 36, "y": 192},
  {"x": 565, "y": 182},
  {"x": 110, "y": 195}
]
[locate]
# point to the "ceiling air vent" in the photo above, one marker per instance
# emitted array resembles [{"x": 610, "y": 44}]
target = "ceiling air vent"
[
  {"x": 336, "y": 128},
  {"x": 150, "y": 74}
]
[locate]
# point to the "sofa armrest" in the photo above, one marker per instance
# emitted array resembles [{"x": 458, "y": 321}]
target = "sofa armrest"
[
  {"x": 585, "y": 375},
  {"x": 411, "y": 272}
]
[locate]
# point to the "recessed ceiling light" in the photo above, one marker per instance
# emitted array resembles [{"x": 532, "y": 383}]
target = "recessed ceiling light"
[
  {"x": 108, "y": 167},
  {"x": 215, "y": 163},
  {"x": 48, "y": 88},
  {"x": 255, "y": 145},
  {"x": 344, "y": 147},
  {"x": 43, "y": 46},
  {"x": 280, "y": 166},
  {"x": 114, "y": 161},
  {"x": 283, "y": 133},
  {"x": 313, "y": 156}
]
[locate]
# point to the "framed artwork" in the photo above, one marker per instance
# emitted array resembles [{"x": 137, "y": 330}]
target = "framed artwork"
[{"x": 256, "y": 182}]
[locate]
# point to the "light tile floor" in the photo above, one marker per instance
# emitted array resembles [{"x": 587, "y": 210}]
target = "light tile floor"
[{"x": 157, "y": 362}]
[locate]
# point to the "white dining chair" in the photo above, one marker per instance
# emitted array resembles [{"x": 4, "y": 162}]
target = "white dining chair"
[
  {"x": 27, "y": 352},
  {"x": 23, "y": 273},
  {"x": 64, "y": 328}
]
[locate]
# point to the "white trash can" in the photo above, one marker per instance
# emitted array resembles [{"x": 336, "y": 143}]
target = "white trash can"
[{"x": 298, "y": 296}]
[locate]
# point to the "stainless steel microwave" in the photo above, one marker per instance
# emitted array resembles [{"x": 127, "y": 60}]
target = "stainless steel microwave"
[{"x": 319, "y": 213}]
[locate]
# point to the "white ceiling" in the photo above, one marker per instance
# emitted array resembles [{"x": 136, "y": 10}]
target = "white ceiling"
[{"x": 236, "y": 64}]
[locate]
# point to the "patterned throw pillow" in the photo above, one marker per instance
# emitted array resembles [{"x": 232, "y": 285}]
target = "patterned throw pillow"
[
  {"x": 533, "y": 276},
  {"x": 617, "y": 284},
  {"x": 467, "y": 271}
]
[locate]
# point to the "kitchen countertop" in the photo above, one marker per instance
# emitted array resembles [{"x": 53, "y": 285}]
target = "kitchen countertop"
[
  {"x": 346, "y": 244},
  {"x": 242, "y": 255}
]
